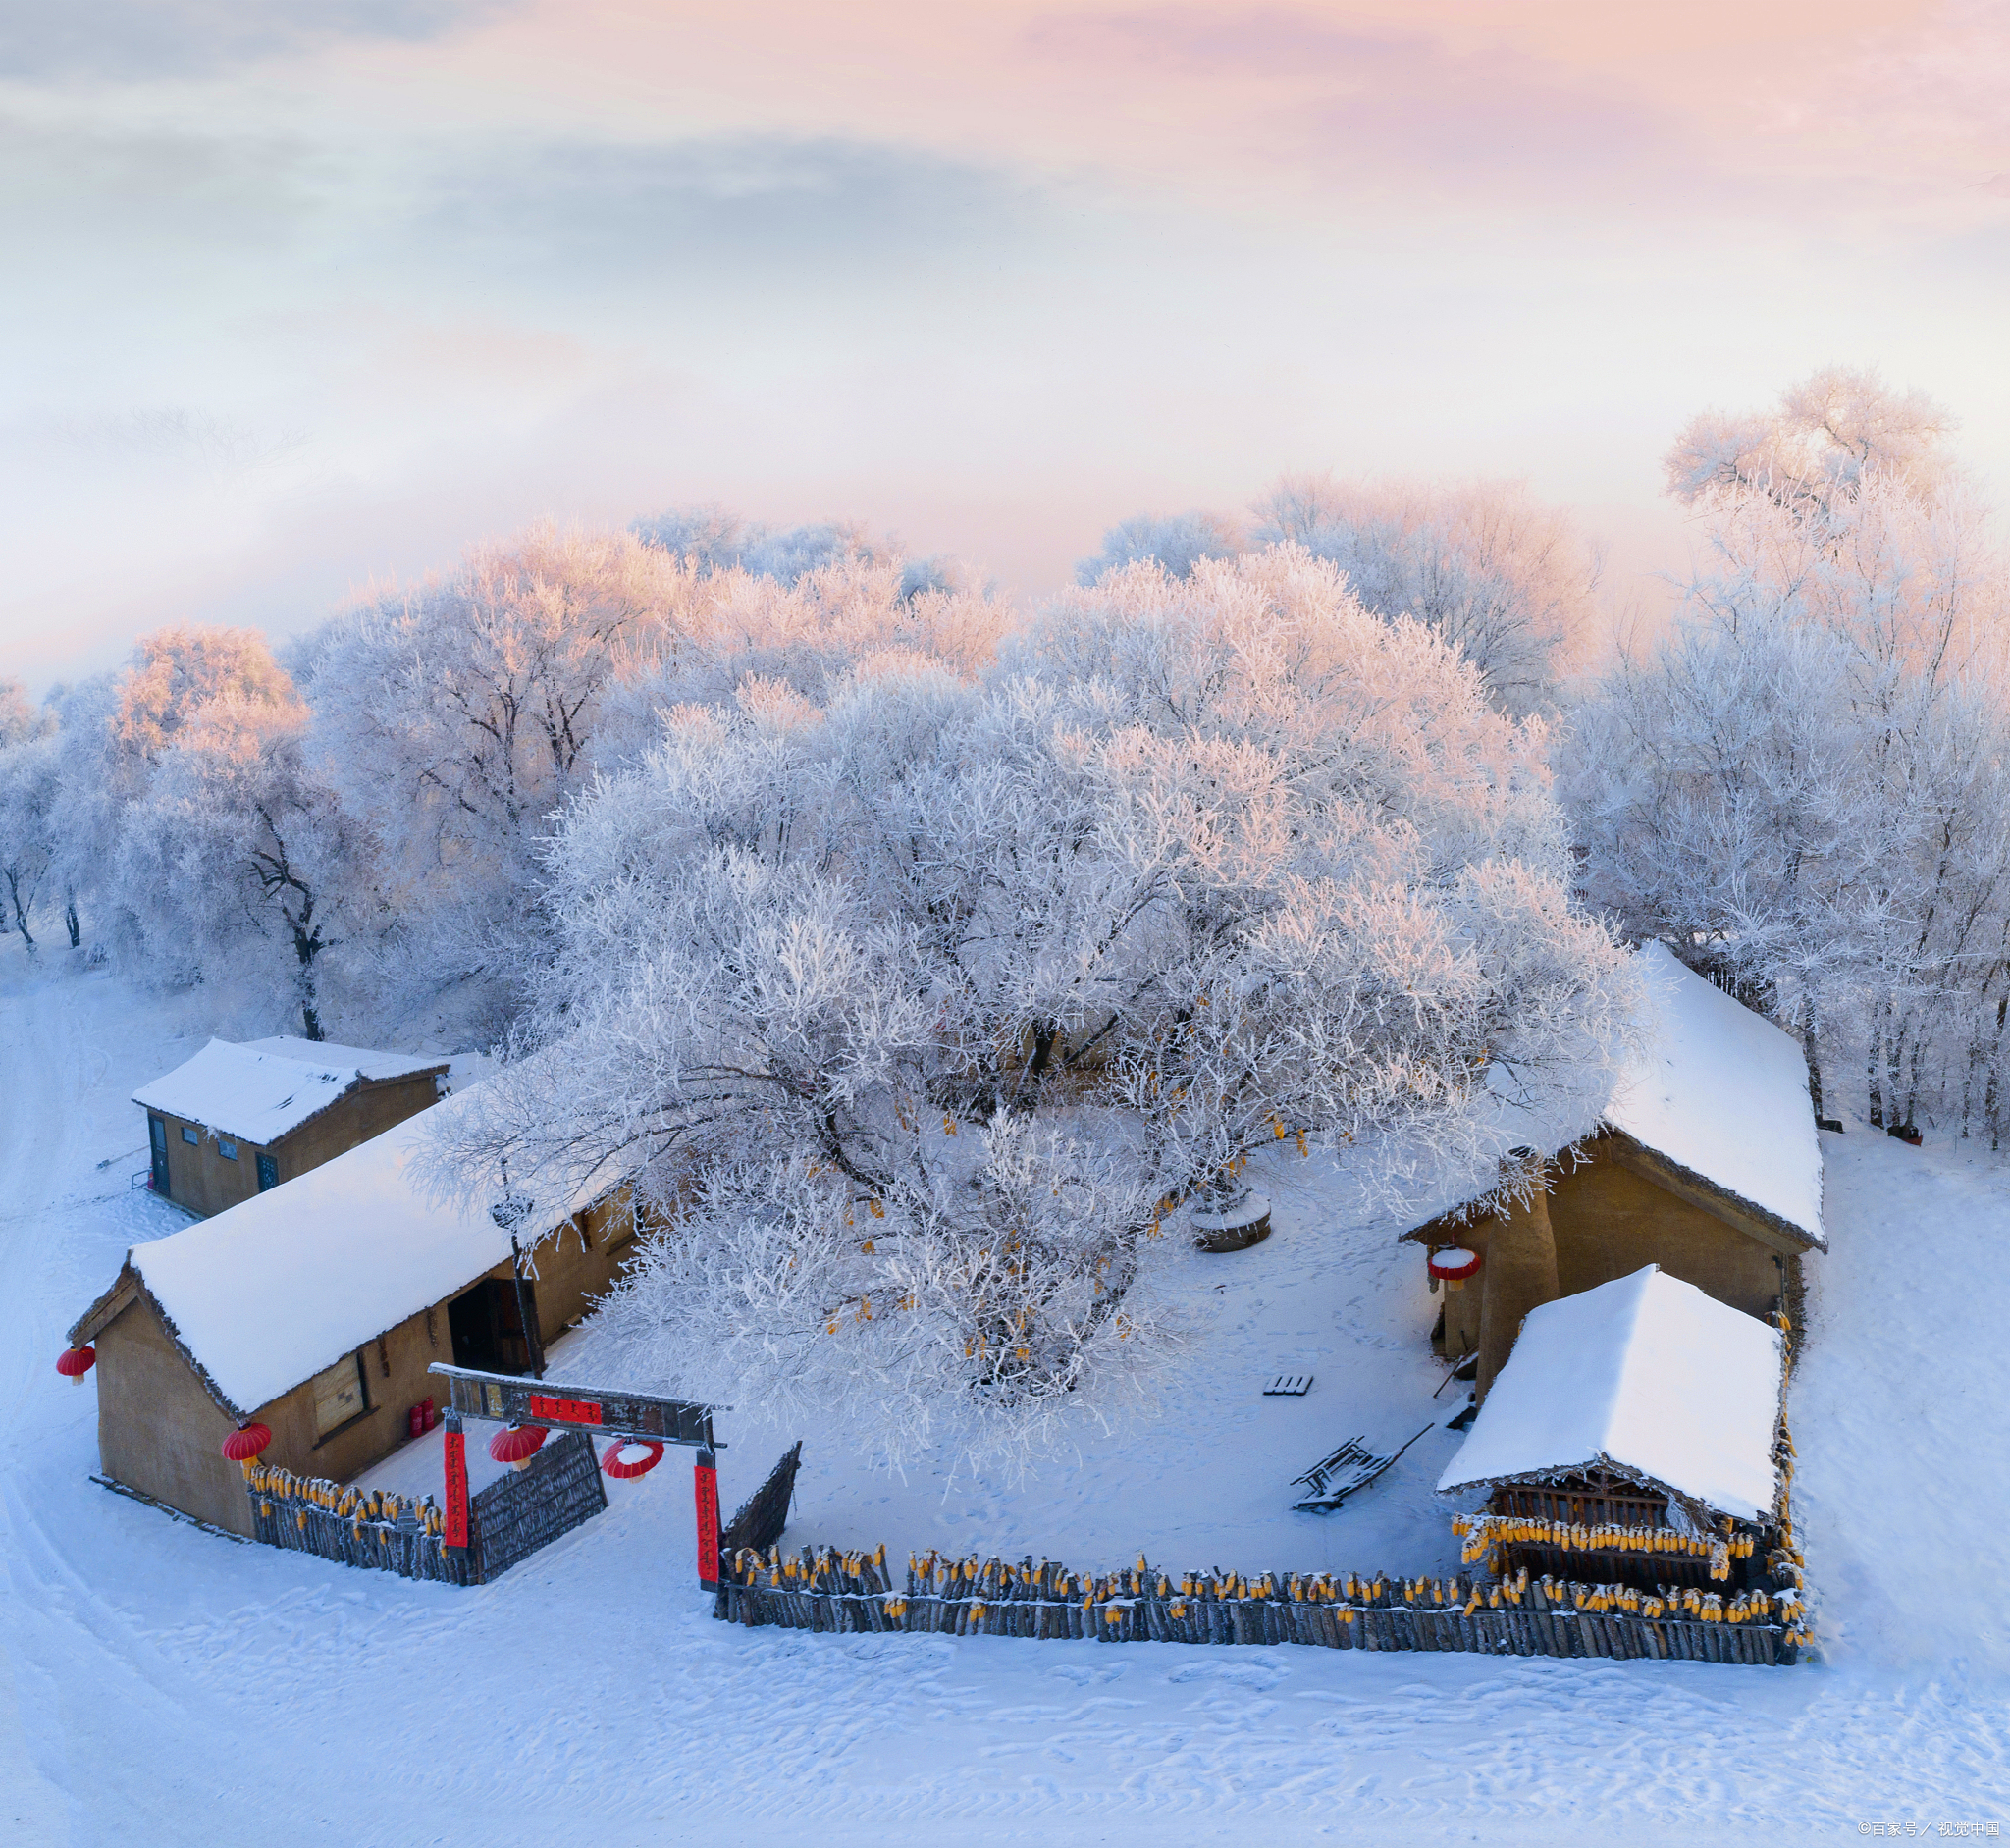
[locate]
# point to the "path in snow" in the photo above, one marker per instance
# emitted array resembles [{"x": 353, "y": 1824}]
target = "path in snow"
[{"x": 165, "y": 1687}]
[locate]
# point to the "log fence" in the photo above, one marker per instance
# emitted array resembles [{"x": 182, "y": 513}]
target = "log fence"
[
  {"x": 823, "y": 1590},
  {"x": 371, "y": 1528}
]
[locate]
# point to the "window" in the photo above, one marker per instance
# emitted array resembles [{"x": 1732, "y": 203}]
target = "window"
[
  {"x": 190, "y": 1137},
  {"x": 227, "y": 1150},
  {"x": 339, "y": 1395},
  {"x": 268, "y": 1172}
]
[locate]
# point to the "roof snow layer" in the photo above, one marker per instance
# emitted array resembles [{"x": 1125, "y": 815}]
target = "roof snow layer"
[
  {"x": 1723, "y": 1094},
  {"x": 375, "y": 1066},
  {"x": 278, "y": 1288},
  {"x": 1646, "y": 1373},
  {"x": 255, "y": 1096}
]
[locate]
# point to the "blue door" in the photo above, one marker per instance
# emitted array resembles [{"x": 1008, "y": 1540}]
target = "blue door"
[
  {"x": 268, "y": 1172},
  {"x": 157, "y": 1138}
]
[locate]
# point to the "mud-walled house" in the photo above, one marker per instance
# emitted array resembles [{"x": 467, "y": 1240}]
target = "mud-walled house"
[
  {"x": 1706, "y": 1162},
  {"x": 1633, "y": 1437},
  {"x": 239, "y": 1119},
  {"x": 316, "y": 1308}
]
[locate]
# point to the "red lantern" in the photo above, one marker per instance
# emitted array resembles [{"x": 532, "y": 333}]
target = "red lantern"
[
  {"x": 244, "y": 1445},
  {"x": 1453, "y": 1266},
  {"x": 623, "y": 1470},
  {"x": 518, "y": 1445},
  {"x": 73, "y": 1363}
]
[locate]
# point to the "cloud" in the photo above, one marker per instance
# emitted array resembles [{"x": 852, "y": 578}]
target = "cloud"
[
  {"x": 134, "y": 40},
  {"x": 1380, "y": 104},
  {"x": 751, "y": 202}
]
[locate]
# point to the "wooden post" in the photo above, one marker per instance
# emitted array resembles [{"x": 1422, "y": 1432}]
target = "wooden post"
[{"x": 704, "y": 1487}]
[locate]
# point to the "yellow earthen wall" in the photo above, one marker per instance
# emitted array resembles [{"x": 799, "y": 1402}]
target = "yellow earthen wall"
[
  {"x": 1609, "y": 1222},
  {"x": 158, "y": 1429}
]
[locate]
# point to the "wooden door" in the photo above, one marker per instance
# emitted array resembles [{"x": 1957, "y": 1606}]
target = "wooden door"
[{"x": 157, "y": 1138}]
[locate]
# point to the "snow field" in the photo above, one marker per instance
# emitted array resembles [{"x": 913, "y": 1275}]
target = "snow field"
[{"x": 166, "y": 1687}]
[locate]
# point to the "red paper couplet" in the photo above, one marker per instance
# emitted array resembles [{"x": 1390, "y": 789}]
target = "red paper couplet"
[
  {"x": 455, "y": 1523},
  {"x": 566, "y": 1410},
  {"x": 705, "y": 1483}
]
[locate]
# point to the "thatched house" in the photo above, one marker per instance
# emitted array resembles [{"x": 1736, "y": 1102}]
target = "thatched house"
[
  {"x": 1634, "y": 1436},
  {"x": 239, "y": 1119},
  {"x": 315, "y": 1309},
  {"x": 1706, "y": 1161}
]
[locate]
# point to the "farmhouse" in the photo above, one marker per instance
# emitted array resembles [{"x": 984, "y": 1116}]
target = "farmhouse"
[
  {"x": 236, "y": 1120},
  {"x": 316, "y": 1308},
  {"x": 1706, "y": 1162},
  {"x": 1634, "y": 1436}
]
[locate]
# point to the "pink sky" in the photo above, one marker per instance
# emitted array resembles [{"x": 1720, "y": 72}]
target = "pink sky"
[{"x": 322, "y": 292}]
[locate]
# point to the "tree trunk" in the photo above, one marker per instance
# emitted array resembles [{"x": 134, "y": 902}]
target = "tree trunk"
[
  {"x": 70, "y": 918},
  {"x": 19, "y": 915}
]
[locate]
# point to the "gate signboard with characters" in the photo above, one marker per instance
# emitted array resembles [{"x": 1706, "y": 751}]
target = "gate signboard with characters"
[{"x": 640, "y": 1424}]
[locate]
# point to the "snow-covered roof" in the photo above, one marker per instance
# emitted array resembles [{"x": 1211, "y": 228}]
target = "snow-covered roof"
[
  {"x": 1723, "y": 1094},
  {"x": 375, "y": 1066},
  {"x": 1646, "y": 1374},
  {"x": 239, "y": 1091},
  {"x": 274, "y": 1289}
]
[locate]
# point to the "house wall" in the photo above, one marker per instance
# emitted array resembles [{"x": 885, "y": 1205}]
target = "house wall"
[
  {"x": 159, "y": 1431},
  {"x": 1609, "y": 1222},
  {"x": 201, "y": 1179}
]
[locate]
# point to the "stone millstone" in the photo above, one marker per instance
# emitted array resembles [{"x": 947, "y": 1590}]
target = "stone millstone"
[{"x": 1243, "y": 1225}]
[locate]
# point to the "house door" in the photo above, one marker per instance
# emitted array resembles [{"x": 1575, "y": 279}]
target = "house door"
[
  {"x": 157, "y": 1138},
  {"x": 268, "y": 1172},
  {"x": 486, "y": 1329}
]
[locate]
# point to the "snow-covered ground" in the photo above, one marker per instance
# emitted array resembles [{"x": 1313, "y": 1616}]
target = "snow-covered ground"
[{"x": 164, "y": 1686}]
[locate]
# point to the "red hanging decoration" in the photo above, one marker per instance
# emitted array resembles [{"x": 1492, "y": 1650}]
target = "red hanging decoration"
[
  {"x": 1453, "y": 1266},
  {"x": 518, "y": 1445},
  {"x": 244, "y": 1445},
  {"x": 73, "y": 1363},
  {"x": 622, "y": 1471}
]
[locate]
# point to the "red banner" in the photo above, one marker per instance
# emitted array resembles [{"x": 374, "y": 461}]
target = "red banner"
[
  {"x": 456, "y": 1534},
  {"x": 566, "y": 1410},
  {"x": 705, "y": 1482}
]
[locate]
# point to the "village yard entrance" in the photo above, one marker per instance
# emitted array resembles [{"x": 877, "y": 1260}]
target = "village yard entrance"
[{"x": 486, "y": 1324}]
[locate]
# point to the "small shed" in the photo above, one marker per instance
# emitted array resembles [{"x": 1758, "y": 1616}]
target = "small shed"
[
  {"x": 316, "y": 1308},
  {"x": 1634, "y": 1436},
  {"x": 1704, "y": 1161},
  {"x": 239, "y": 1119}
]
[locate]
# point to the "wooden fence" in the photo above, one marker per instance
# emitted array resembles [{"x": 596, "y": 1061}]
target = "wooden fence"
[
  {"x": 390, "y": 1533},
  {"x": 840, "y": 1592},
  {"x": 508, "y": 1521}
]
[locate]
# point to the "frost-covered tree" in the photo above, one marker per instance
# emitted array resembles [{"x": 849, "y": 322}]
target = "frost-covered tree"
[
  {"x": 1834, "y": 429},
  {"x": 1176, "y": 542},
  {"x": 184, "y": 807},
  {"x": 912, "y": 1015},
  {"x": 1508, "y": 581},
  {"x": 252, "y": 861},
  {"x": 710, "y": 539},
  {"x": 19, "y": 720},
  {"x": 29, "y": 787},
  {"x": 1802, "y": 788},
  {"x": 808, "y": 637},
  {"x": 458, "y": 716}
]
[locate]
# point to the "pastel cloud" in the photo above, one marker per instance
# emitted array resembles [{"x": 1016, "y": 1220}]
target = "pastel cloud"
[{"x": 146, "y": 40}]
